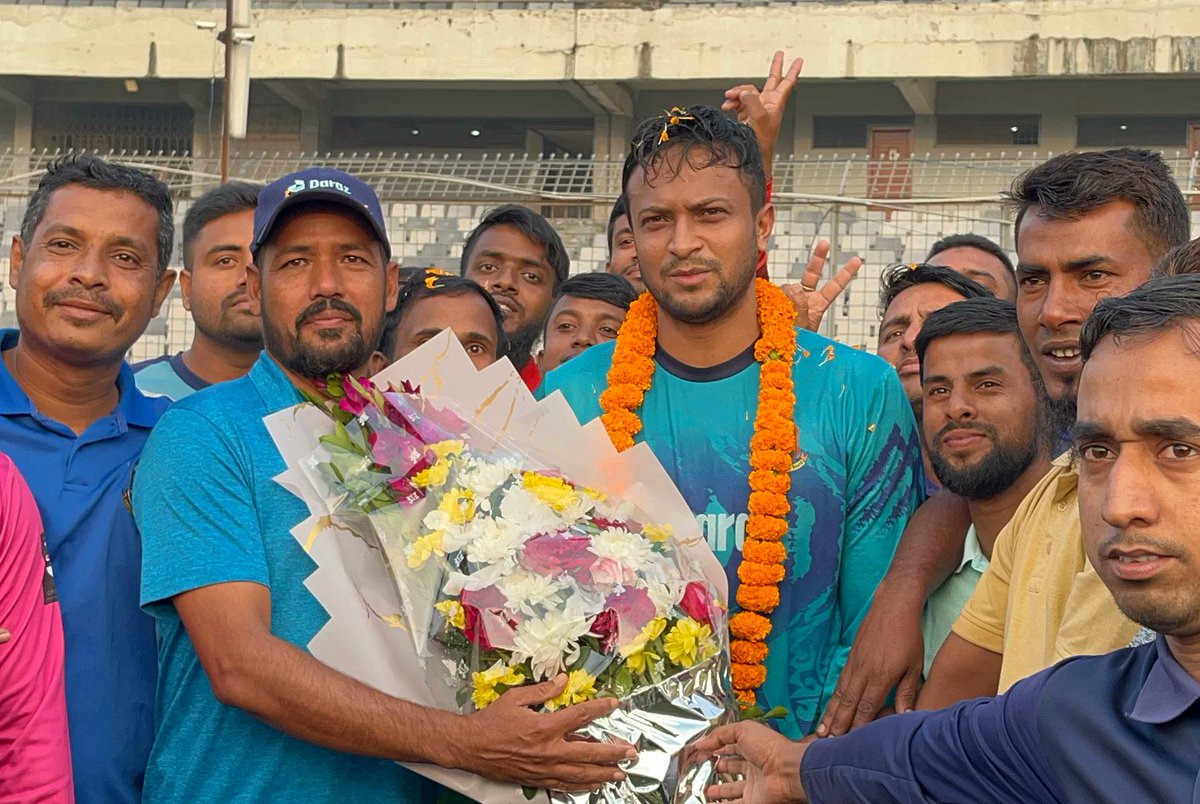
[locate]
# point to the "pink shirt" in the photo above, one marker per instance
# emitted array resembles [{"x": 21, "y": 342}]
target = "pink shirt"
[{"x": 35, "y": 756}]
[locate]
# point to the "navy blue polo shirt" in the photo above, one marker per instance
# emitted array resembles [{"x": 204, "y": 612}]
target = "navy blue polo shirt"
[
  {"x": 1122, "y": 727},
  {"x": 81, "y": 485}
]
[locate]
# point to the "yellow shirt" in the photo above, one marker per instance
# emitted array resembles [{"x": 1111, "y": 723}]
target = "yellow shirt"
[{"x": 1040, "y": 600}]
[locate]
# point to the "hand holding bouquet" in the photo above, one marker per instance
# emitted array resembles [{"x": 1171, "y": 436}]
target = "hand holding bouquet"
[{"x": 506, "y": 572}]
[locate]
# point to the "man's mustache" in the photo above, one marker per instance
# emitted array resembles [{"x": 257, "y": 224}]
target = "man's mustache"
[
  {"x": 318, "y": 307},
  {"x": 61, "y": 295}
]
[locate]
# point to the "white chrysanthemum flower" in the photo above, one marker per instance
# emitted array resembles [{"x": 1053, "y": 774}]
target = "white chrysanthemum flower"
[
  {"x": 527, "y": 590},
  {"x": 525, "y": 512},
  {"x": 490, "y": 541},
  {"x": 484, "y": 477},
  {"x": 628, "y": 549},
  {"x": 551, "y": 642},
  {"x": 664, "y": 594}
]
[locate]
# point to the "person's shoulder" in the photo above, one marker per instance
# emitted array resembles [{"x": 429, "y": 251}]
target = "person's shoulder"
[
  {"x": 1115, "y": 676},
  {"x": 142, "y": 365},
  {"x": 226, "y": 405},
  {"x": 588, "y": 367},
  {"x": 817, "y": 355}
]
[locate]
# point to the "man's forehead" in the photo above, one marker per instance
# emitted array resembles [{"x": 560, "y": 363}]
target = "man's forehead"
[
  {"x": 1144, "y": 371},
  {"x": 969, "y": 352},
  {"x": 675, "y": 174},
  {"x": 582, "y": 305}
]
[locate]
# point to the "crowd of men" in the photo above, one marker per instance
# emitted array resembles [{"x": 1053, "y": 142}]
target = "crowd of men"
[{"x": 990, "y": 520}]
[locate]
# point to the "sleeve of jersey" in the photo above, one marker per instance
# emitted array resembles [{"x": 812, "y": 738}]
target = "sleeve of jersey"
[
  {"x": 192, "y": 502},
  {"x": 986, "y": 749},
  {"x": 883, "y": 488}
]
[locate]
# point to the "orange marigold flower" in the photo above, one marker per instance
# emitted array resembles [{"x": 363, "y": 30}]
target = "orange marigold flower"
[
  {"x": 749, "y": 625},
  {"x": 746, "y": 698},
  {"x": 748, "y": 676},
  {"x": 757, "y": 573},
  {"x": 745, "y": 652},
  {"x": 766, "y": 528},
  {"x": 764, "y": 599},
  {"x": 771, "y": 460},
  {"x": 778, "y": 482},
  {"x": 764, "y": 552},
  {"x": 768, "y": 503}
]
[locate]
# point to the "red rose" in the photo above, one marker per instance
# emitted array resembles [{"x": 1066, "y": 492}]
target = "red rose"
[
  {"x": 555, "y": 553},
  {"x": 353, "y": 402},
  {"x": 697, "y": 603},
  {"x": 606, "y": 626},
  {"x": 634, "y": 609},
  {"x": 475, "y": 629}
]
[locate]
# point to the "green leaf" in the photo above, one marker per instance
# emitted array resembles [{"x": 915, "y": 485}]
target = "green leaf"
[{"x": 530, "y": 792}]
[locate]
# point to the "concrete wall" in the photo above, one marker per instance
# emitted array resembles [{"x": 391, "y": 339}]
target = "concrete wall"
[{"x": 858, "y": 40}]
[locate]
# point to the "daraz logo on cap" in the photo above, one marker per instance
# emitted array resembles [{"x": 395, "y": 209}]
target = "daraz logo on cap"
[{"x": 300, "y": 185}]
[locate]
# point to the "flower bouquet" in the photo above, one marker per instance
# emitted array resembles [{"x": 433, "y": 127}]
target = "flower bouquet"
[{"x": 491, "y": 542}]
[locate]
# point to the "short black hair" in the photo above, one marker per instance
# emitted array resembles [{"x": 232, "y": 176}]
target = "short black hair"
[
  {"x": 599, "y": 285},
  {"x": 1071, "y": 185},
  {"x": 423, "y": 283},
  {"x": 1183, "y": 259},
  {"x": 969, "y": 240},
  {"x": 1162, "y": 303},
  {"x": 983, "y": 314},
  {"x": 530, "y": 224},
  {"x": 898, "y": 278},
  {"x": 678, "y": 135},
  {"x": 93, "y": 172},
  {"x": 228, "y": 199},
  {"x": 620, "y": 210}
]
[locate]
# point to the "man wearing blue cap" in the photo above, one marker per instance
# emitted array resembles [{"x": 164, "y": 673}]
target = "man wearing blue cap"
[{"x": 245, "y": 713}]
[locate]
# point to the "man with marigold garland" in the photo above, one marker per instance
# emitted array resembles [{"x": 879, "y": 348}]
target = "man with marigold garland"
[{"x": 799, "y": 456}]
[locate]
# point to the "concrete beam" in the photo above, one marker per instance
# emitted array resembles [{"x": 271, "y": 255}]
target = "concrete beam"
[
  {"x": 871, "y": 40},
  {"x": 921, "y": 94}
]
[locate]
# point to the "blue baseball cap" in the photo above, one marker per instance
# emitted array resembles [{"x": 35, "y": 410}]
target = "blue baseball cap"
[{"x": 317, "y": 184}]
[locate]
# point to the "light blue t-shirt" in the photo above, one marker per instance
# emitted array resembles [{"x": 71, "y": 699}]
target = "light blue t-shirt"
[
  {"x": 856, "y": 481},
  {"x": 210, "y": 512},
  {"x": 167, "y": 376}
]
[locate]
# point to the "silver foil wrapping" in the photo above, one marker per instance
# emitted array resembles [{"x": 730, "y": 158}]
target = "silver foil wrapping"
[{"x": 662, "y": 721}]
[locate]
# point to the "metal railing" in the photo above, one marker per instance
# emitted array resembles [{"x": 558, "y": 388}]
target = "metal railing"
[{"x": 884, "y": 211}]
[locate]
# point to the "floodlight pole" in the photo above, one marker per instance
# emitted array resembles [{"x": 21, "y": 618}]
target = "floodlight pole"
[{"x": 227, "y": 39}]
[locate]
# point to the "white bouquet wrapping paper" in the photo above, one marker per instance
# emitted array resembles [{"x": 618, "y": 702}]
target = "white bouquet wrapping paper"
[{"x": 393, "y": 578}]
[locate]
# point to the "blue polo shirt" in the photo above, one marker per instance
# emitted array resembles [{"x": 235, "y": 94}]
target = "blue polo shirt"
[
  {"x": 81, "y": 483},
  {"x": 1122, "y": 728},
  {"x": 211, "y": 512}
]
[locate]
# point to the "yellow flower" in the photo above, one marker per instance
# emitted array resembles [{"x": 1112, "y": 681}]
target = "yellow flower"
[
  {"x": 636, "y": 657},
  {"x": 553, "y": 491},
  {"x": 452, "y": 610},
  {"x": 581, "y": 686},
  {"x": 424, "y": 549},
  {"x": 444, "y": 449},
  {"x": 657, "y": 533},
  {"x": 437, "y": 474},
  {"x": 432, "y": 477},
  {"x": 689, "y": 642},
  {"x": 485, "y": 683},
  {"x": 459, "y": 505}
]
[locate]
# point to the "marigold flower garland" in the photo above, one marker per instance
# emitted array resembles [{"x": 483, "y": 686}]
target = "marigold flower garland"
[{"x": 771, "y": 451}]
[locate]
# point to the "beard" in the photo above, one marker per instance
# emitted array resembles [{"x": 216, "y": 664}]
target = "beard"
[
  {"x": 992, "y": 474},
  {"x": 1060, "y": 420},
  {"x": 235, "y": 330},
  {"x": 336, "y": 352},
  {"x": 732, "y": 286},
  {"x": 521, "y": 343}
]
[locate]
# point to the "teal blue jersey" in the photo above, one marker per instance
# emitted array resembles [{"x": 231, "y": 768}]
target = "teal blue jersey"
[{"x": 856, "y": 481}]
